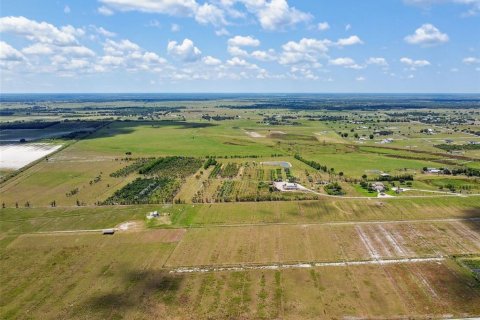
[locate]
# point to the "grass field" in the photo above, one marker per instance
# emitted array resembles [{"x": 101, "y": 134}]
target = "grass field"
[
  {"x": 172, "y": 139},
  {"x": 128, "y": 275},
  {"x": 227, "y": 244}
]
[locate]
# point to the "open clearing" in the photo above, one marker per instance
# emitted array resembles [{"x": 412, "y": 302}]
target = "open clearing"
[{"x": 162, "y": 273}]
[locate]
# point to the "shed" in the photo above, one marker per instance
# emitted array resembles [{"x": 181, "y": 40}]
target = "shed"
[{"x": 108, "y": 231}]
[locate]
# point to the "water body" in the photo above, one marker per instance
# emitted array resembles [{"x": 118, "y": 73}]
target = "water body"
[
  {"x": 283, "y": 164},
  {"x": 16, "y": 156}
]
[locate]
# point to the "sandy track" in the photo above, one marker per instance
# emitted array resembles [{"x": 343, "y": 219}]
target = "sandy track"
[{"x": 301, "y": 265}]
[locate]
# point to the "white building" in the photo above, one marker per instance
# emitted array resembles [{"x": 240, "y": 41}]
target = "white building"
[{"x": 290, "y": 186}]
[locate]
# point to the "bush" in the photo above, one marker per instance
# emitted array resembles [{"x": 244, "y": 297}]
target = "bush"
[{"x": 334, "y": 189}]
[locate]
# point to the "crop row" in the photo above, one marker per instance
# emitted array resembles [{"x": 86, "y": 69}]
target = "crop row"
[
  {"x": 171, "y": 167},
  {"x": 131, "y": 168},
  {"x": 139, "y": 191}
]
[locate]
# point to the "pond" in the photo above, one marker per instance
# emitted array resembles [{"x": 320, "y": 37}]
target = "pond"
[{"x": 283, "y": 164}]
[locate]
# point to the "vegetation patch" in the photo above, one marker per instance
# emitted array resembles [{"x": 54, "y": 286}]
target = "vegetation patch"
[
  {"x": 143, "y": 191},
  {"x": 129, "y": 169},
  {"x": 171, "y": 167},
  {"x": 458, "y": 147},
  {"x": 229, "y": 170}
]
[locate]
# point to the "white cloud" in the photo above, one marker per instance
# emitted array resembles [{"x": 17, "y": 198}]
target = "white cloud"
[
  {"x": 38, "y": 49},
  {"x": 471, "y": 60},
  {"x": 222, "y": 32},
  {"x": 129, "y": 56},
  {"x": 278, "y": 14},
  {"x": 40, "y": 31},
  {"x": 104, "y": 11},
  {"x": 360, "y": 78},
  {"x": 413, "y": 64},
  {"x": 473, "y": 5},
  {"x": 119, "y": 48},
  {"x": 236, "y": 43},
  {"x": 237, "y": 62},
  {"x": 346, "y": 63},
  {"x": 78, "y": 51},
  {"x": 348, "y": 27},
  {"x": 264, "y": 55},
  {"x": 322, "y": 26},
  {"x": 427, "y": 34},
  {"x": 271, "y": 14},
  {"x": 112, "y": 60},
  {"x": 208, "y": 13},
  {"x": 9, "y": 53},
  {"x": 67, "y": 9},
  {"x": 211, "y": 61},
  {"x": 102, "y": 31},
  {"x": 237, "y": 51},
  {"x": 242, "y": 41},
  {"x": 379, "y": 61},
  {"x": 307, "y": 50},
  {"x": 350, "y": 41},
  {"x": 170, "y": 7},
  {"x": 300, "y": 72},
  {"x": 186, "y": 51}
]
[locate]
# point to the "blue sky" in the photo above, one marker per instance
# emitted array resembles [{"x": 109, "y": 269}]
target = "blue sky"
[{"x": 240, "y": 46}]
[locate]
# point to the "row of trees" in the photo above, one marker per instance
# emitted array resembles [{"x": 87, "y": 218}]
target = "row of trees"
[{"x": 315, "y": 165}]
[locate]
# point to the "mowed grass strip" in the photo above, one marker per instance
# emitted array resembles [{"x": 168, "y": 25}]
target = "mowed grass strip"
[
  {"x": 335, "y": 209},
  {"x": 326, "y": 210}
]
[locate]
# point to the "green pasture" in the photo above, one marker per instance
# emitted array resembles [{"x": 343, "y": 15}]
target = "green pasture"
[{"x": 174, "y": 138}]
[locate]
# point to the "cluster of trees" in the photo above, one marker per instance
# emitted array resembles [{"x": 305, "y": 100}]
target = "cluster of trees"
[
  {"x": 27, "y": 125},
  {"x": 315, "y": 165},
  {"x": 455, "y": 147},
  {"x": 140, "y": 191},
  {"x": 289, "y": 175},
  {"x": 209, "y": 162},
  {"x": 216, "y": 171},
  {"x": 469, "y": 172},
  {"x": 131, "y": 168},
  {"x": 230, "y": 170},
  {"x": 384, "y": 132},
  {"x": 225, "y": 191},
  {"x": 254, "y": 156},
  {"x": 178, "y": 167},
  {"x": 325, "y": 118},
  {"x": 217, "y": 117},
  {"x": 453, "y": 187},
  {"x": 334, "y": 189},
  {"x": 400, "y": 177},
  {"x": 72, "y": 192}
]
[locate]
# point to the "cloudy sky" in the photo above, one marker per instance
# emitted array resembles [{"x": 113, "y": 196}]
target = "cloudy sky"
[{"x": 240, "y": 46}]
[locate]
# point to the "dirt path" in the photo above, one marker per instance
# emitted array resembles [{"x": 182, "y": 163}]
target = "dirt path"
[{"x": 301, "y": 265}]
